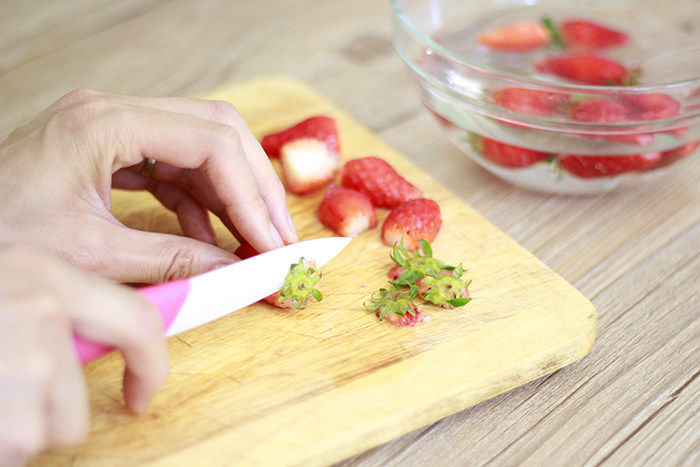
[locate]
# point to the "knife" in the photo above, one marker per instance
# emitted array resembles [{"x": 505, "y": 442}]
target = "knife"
[{"x": 185, "y": 304}]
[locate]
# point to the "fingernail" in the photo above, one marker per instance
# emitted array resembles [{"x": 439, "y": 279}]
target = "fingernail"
[
  {"x": 275, "y": 236},
  {"x": 292, "y": 228}
]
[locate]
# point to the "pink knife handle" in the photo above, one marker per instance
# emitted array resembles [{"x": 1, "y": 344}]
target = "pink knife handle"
[{"x": 167, "y": 297}]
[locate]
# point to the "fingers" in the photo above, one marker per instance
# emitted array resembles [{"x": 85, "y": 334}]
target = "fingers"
[{"x": 147, "y": 257}]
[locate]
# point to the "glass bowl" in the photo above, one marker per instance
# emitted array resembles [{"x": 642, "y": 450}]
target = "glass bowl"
[{"x": 542, "y": 127}]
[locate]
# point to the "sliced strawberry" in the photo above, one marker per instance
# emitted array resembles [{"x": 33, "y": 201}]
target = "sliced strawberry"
[
  {"x": 588, "y": 69},
  {"x": 346, "y": 212},
  {"x": 518, "y": 36},
  {"x": 607, "y": 166},
  {"x": 584, "y": 34},
  {"x": 530, "y": 101},
  {"x": 413, "y": 220},
  {"x": 378, "y": 180},
  {"x": 672, "y": 155},
  {"x": 507, "y": 155},
  {"x": 318, "y": 127},
  {"x": 308, "y": 165}
]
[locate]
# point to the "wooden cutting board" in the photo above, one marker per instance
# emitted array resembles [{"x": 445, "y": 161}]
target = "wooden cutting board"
[{"x": 311, "y": 387}]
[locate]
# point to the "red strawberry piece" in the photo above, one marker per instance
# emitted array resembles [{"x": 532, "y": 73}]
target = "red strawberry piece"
[
  {"x": 518, "y": 36},
  {"x": 654, "y": 106},
  {"x": 379, "y": 181},
  {"x": 346, "y": 212},
  {"x": 318, "y": 127},
  {"x": 245, "y": 251},
  {"x": 607, "y": 166},
  {"x": 413, "y": 220},
  {"x": 587, "y": 69},
  {"x": 672, "y": 155},
  {"x": 583, "y": 34},
  {"x": 308, "y": 165},
  {"x": 530, "y": 101},
  {"x": 395, "y": 307},
  {"x": 508, "y": 155}
]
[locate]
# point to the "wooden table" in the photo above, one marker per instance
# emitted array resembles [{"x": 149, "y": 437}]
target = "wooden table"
[{"x": 635, "y": 399}]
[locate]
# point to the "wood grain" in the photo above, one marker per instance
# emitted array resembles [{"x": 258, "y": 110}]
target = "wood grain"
[
  {"x": 333, "y": 372},
  {"x": 633, "y": 400}
]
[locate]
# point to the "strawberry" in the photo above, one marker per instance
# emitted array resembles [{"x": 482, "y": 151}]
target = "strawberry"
[
  {"x": 318, "y": 127},
  {"x": 395, "y": 307},
  {"x": 588, "y": 69},
  {"x": 446, "y": 289},
  {"x": 654, "y": 106},
  {"x": 505, "y": 154},
  {"x": 346, "y": 212},
  {"x": 607, "y": 166},
  {"x": 298, "y": 287},
  {"x": 379, "y": 181},
  {"x": 584, "y": 34},
  {"x": 308, "y": 165},
  {"x": 530, "y": 101},
  {"x": 604, "y": 110},
  {"x": 518, "y": 36},
  {"x": 413, "y": 220},
  {"x": 672, "y": 155}
]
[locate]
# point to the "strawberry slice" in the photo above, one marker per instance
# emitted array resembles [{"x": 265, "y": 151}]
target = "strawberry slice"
[
  {"x": 607, "y": 166},
  {"x": 588, "y": 69},
  {"x": 530, "y": 101},
  {"x": 308, "y": 165},
  {"x": 507, "y": 155},
  {"x": 379, "y": 181},
  {"x": 319, "y": 127},
  {"x": 584, "y": 34},
  {"x": 414, "y": 220},
  {"x": 518, "y": 36},
  {"x": 346, "y": 212}
]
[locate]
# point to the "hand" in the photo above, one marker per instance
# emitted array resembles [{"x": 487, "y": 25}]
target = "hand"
[
  {"x": 56, "y": 174},
  {"x": 43, "y": 398}
]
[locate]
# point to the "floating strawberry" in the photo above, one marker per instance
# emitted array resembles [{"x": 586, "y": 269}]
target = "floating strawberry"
[
  {"x": 672, "y": 155},
  {"x": 607, "y": 166},
  {"x": 346, "y": 212},
  {"x": 518, "y": 36},
  {"x": 653, "y": 106},
  {"x": 379, "y": 181},
  {"x": 588, "y": 69},
  {"x": 318, "y": 127},
  {"x": 530, "y": 101},
  {"x": 395, "y": 307},
  {"x": 608, "y": 110},
  {"x": 505, "y": 154},
  {"x": 307, "y": 165},
  {"x": 584, "y": 34},
  {"x": 298, "y": 287},
  {"x": 413, "y": 220}
]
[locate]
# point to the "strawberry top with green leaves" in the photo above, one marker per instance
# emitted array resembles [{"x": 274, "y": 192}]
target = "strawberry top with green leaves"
[
  {"x": 320, "y": 127},
  {"x": 446, "y": 289},
  {"x": 379, "y": 181},
  {"x": 299, "y": 285},
  {"x": 411, "y": 267},
  {"x": 395, "y": 306}
]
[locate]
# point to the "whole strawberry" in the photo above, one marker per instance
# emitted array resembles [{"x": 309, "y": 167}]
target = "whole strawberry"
[
  {"x": 414, "y": 220},
  {"x": 379, "y": 181},
  {"x": 320, "y": 127},
  {"x": 588, "y": 68},
  {"x": 530, "y": 101},
  {"x": 346, "y": 212},
  {"x": 585, "y": 34},
  {"x": 607, "y": 166},
  {"x": 507, "y": 155}
]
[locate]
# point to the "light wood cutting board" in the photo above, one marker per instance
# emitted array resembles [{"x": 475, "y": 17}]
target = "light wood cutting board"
[{"x": 311, "y": 387}]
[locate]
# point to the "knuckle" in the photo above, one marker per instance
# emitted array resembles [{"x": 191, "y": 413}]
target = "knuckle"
[
  {"x": 84, "y": 112},
  {"x": 181, "y": 265},
  {"x": 224, "y": 111}
]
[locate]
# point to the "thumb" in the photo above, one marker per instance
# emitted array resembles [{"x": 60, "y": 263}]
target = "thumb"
[{"x": 145, "y": 257}]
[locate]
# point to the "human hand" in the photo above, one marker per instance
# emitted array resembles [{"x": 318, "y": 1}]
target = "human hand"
[
  {"x": 56, "y": 174},
  {"x": 43, "y": 398}
]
